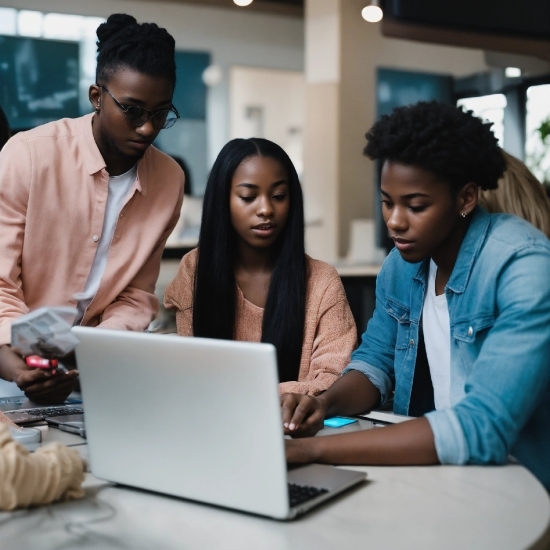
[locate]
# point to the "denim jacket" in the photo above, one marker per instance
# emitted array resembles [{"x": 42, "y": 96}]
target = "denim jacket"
[{"x": 498, "y": 297}]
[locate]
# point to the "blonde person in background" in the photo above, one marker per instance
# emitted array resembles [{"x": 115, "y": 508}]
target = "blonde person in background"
[
  {"x": 520, "y": 193},
  {"x": 53, "y": 472}
]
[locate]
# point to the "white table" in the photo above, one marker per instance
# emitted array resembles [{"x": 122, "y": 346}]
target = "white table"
[{"x": 439, "y": 507}]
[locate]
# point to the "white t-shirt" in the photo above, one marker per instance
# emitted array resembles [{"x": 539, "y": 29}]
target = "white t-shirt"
[
  {"x": 119, "y": 188},
  {"x": 437, "y": 338}
]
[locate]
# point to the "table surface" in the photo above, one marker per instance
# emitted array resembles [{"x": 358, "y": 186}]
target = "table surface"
[{"x": 439, "y": 507}]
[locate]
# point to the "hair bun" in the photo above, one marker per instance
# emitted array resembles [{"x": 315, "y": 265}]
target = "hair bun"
[{"x": 116, "y": 23}]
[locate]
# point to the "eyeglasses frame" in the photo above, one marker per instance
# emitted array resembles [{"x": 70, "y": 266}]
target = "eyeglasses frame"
[{"x": 150, "y": 114}]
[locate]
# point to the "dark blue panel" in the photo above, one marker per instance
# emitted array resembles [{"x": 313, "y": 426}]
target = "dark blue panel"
[
  {"x": 38, "y": 80},
  {"x": 400, "y": 88},
  {"x": 190, "y": 93}
]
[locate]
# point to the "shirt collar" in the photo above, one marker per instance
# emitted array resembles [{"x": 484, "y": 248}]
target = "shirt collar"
[{"x": 94, "y": 161}]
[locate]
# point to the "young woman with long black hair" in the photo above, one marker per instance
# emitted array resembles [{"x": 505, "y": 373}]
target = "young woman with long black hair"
[{"x": 250, "y": 279}]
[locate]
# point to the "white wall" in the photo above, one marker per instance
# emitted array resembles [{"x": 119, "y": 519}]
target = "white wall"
[
  {"x": 232, "y": 37},
  {"x": 278, "y": 97}
]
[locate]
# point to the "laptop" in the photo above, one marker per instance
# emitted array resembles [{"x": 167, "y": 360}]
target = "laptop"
[{"x": 194, "y": 418}]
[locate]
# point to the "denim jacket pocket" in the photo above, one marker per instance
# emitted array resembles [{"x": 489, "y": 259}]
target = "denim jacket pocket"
[
  {"x": 467, "y": 338},
  {"x": 400, "y": 314},
  {"x": 470, "y": 330}
]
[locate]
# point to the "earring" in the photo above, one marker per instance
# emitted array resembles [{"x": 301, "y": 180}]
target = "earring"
[
  {"x": 463, "y": 214},
  {"x": 97, "y": 108}
]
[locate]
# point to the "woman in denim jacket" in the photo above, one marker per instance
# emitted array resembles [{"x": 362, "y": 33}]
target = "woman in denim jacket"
[{"x": 461, "y": 329}]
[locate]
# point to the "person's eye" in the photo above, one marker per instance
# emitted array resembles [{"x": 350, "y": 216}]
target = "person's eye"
[
  {"x": 247, "y": 199},
  {"x": 386, "y": 203},
  {"x": 133, "y": 110},
  {"x": 419, "y": 208},
  {"x": 161, "y": 115},
  {"x": 280, "y": 198}
]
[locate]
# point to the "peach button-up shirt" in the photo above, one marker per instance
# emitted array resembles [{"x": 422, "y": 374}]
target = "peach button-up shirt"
[{"x": 53, "y": 193}]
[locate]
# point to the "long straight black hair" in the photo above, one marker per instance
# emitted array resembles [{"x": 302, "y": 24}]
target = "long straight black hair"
[{"x": 215, "y": 287}]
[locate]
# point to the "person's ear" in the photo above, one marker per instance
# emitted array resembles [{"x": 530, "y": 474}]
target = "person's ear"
[
  {"x": 467, "y": 198},
  {"x": 94, "y": 94}
]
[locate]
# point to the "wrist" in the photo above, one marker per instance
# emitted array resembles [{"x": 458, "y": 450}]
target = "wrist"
[{"x": 5, "y": 371}]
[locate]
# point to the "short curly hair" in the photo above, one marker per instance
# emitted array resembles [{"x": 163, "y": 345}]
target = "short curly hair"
[
  {"x": 453, "y": 144},
  {"x": 123, "y": 42}
]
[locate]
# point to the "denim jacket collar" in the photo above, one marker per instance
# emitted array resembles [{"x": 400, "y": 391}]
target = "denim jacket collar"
[{"x": 469, "y": 250}]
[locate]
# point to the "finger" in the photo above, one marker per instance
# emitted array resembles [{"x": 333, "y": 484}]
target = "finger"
[
  {"x": 287, "y": 408},
  {"x": 30, "y": 377},
  {"x": 311, "y": 425},
  {"x": 58, "y": 382},
  {"x": 58, "y": 394},
  {"x": 303, "y": 409}
]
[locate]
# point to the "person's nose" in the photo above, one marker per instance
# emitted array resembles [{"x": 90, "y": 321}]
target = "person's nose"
[
  {"x": 147, "y": 130},
  {"x": 396, "y": 220},
  {"x": 265, "y": 207}
]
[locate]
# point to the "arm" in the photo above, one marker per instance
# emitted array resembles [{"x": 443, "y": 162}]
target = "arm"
[
  {"x": 15, "y": 181},
  {"x": 510, "y": 375},
  {"x": 51, "y": 473},
  {"x": 179, "y": 294},
  {"x": 363, "y": 385},
  {"x": 351, "y": 394},
  {"x": 335, "y": 339},
  {"x": 136, "y": 306},
  {"x": 410, "y": 442}
]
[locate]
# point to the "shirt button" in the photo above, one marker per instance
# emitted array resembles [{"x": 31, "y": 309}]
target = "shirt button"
[
  {"x": 470, "y": 331},
  {"x": 95, "y": 238},
  {"x": 411, "y": 343}
]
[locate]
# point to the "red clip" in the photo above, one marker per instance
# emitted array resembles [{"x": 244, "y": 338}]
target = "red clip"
[{"x": 37, "y": 362}]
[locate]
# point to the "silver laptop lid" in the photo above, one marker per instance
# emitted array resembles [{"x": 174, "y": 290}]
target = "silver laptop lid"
[{"x": 190, "y": 417}]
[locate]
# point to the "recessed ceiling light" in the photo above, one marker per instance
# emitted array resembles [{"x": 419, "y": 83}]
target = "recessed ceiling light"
[{"x": 243, "y": 3}]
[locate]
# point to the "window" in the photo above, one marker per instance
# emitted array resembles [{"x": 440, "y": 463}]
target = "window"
[
  {"x": 489, "y": 108},
  {"x": 537, "y": 131}
]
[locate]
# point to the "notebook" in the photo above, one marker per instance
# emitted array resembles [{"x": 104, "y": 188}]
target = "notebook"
[{"x": 194, "y": 418}]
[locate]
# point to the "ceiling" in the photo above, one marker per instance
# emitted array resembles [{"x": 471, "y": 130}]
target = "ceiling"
[{"x": 283, "y": 7}]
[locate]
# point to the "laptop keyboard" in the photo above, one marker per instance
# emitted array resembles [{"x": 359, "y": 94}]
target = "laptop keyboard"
[
  {"x": 299, "y": 494},
  {"x": 28, "y": 415}
]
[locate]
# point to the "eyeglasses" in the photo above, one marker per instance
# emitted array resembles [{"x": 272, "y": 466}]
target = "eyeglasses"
[{"x": 138, "y": 116}]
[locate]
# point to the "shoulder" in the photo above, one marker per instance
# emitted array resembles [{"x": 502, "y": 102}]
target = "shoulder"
[
  {"x": 162, "y": 168},
  {"x": 179, "y": 292},
  {"x": 323, "y": 282},
  {"x": 320, "y": 272},
  {"x": 512, "y": 234},
  {"x": 50, "y": 132}
]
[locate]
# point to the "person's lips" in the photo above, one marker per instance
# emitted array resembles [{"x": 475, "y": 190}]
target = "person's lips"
[
  {"x": 140, "y": 145},
  {"x": 402, "y": 244},
  {"x": 264, "y": 229}
]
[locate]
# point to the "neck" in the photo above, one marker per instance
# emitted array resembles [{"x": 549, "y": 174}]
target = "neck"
[
  {"x": 446, "y": 255},
  {"x": 115, "y": 163},
  {"x": 254, "y": 259}
]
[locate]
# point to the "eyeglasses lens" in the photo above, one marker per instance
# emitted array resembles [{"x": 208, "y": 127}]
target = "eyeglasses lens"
[{"x": 137, "y": 116}]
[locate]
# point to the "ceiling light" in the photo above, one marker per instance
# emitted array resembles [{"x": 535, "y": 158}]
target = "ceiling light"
[
  {"x": 243, "y": 3},
  {"x": 373, "y": 12},
  {"x": 512, "y": 72}
]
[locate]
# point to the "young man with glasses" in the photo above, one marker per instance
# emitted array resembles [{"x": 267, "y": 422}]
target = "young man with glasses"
[{"x": 87, "y": 204}]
